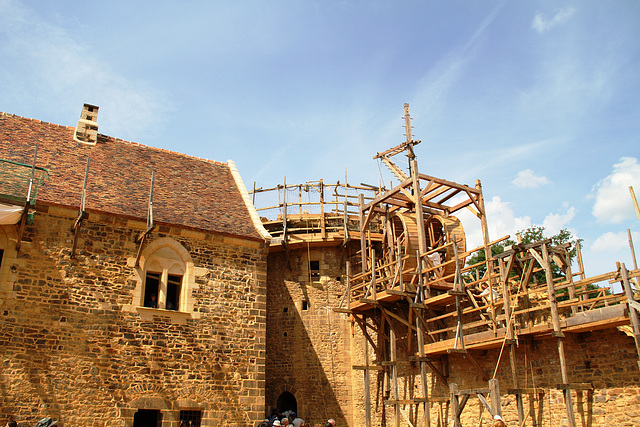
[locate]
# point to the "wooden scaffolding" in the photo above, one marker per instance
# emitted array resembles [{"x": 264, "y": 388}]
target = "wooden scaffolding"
[
  {"x": 411, "y": 294},
  {"x": 414, "y": 298}
]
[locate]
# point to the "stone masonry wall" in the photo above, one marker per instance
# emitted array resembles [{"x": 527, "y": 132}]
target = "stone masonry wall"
[
  {"x": 604, "y": 359},
  {"x": 308, "y": 352},
  {"x": 74, "y": 346},
  {"x": 607, "y": 359}
]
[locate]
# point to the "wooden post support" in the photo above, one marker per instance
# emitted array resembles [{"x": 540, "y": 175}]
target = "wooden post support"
[
  {"x": 514, "y": 375},
  {"x": 635, "y": 201},
  {"x": 453, "y": 398},
  {"x": 394, "y": 375},
  {"x": 546, "y": 265},
  {"x": 579, "y": 257},
  {"x": 487, "y": 248},
  {"x": 345, "y": 218},
  {"x": 348, "y": 271},
  {"x": 426, "y": 407},
  {"x": 367, "y": 386},
  {"x": 633, "y": 313},
  {"x": 82, "y": 215},
  {"x": 494, "y": 391},
  {"x": 557, "y": 332},
  {"x": 373, "y": 285},
  {"x": 506, "y": 297},
  {"x": 363, "y": 237},
  {"x": 633, "y": 251},
  {"x": 323, "y": 224},
  {"x": 284, "y": 212},
  {"x": 27, "y": 203},
  {"x": 413, "y": 163},
  {"x": 150, "y": 224}
]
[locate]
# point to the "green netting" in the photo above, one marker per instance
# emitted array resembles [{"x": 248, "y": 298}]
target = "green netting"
[{"x": 14, "y": 181}]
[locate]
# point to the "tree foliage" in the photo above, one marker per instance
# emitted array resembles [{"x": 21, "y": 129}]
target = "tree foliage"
[{"x": 531, "y": 235}]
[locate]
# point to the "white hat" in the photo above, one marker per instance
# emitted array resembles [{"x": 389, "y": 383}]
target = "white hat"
[
  {"x": 276, "y": 423},
  {"x": 497, "y": 417}
]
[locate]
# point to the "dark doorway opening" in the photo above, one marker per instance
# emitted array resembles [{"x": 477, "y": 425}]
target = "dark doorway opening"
[
  {"x": 287, "y": 402},
  {"x": 147, "y": 418}
]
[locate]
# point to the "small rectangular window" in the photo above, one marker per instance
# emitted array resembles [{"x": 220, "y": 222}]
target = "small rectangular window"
[
  {"x": 1, "y": 253},
  {"x": 314, "y": 269},
  {"x": 305, "y": 305},
  {"x": 190, "y": 418},
  {"x": 174, "y": 286},
  {"x": 151, "y": 285}
]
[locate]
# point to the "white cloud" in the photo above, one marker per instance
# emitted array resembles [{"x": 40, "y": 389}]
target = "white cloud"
[
  {"x": 501, "y": 221},
  {"x": 613, "y": 200},
  {"x": 553, "y": 223},
  {"x": 611, "y": 242},
  {"x": 542, "y": 24},
  {"x": 528, "y": 179},
  {"x": 66, "y": 71}
]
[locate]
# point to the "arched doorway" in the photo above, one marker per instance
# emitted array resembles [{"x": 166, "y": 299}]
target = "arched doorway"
[
  {"x": 287, "y": 402},
  {"x": 147, "y": 418}
]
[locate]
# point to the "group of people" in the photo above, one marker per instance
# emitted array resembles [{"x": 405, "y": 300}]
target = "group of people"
[{"x": 290, "y": 419}]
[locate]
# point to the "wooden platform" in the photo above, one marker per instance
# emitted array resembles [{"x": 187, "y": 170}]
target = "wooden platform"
[{"x": 606, "y": 317}]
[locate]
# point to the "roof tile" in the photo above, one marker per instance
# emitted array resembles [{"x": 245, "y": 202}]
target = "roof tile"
[{"x": 188, "y": 191}]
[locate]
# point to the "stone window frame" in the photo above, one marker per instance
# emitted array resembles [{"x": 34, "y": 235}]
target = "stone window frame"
[
  {"x": 170, "y": 257},
  {"x": 8, "y": 239}
]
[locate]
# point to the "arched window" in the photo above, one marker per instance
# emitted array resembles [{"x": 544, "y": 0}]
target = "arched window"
[
  {"x": 166, "y": 278},
  {"x": 164, "y": 272}
]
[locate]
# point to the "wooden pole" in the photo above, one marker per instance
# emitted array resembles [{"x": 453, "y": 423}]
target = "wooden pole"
[
  {"x": 557, "y": 332},
  {"x": 253, "y": 199},
  {"x": 363, "y": 244},
  {"x": 394, "y": 375},
  {"x": 284, "y": 211},
  {"x": 426, "y": 406},
  {"x": 367, "y": 385},
  {"x": 27, "y": 203},
  {"x": 633, "y": 252},
  {"x": 580, "y": 263},
  {"x": 635, "y": 202},
  {"x": 453, "y": 398},
  {"x": 546, "y": 265},
  {"x": 322, "y": 219},
  {"x": 422, "y": 239},
  {"x": 348, "y": 271},
  {"x": 487, "y": 248},
  {"x": 374, "y": 291},
  {"x": 494, "y": 391},
  {"x": 633, "y": 313}
]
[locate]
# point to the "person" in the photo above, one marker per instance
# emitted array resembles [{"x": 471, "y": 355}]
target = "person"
[
  {"x": 486, "y": 291},
  {"x": 265, "y": 423},
  {"x": 153, "y": 301},
  {"x": 274, "y": 416},
  {"x": 297, "y": 421},
  {"x": 332, "y": 422},
  {"x": 498, "y": 422}
]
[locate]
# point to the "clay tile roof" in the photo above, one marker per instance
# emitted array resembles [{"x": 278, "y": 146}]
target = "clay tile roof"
[{"x": 188, "y": 192}]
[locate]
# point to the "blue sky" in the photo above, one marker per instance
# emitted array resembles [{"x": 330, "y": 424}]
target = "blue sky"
[{"x": 537, "y": 99}]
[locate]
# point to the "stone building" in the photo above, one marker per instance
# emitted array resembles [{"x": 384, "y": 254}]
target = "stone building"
[
  {"x": 336, "y": 301},
  {"x": 134, "y": 292}
]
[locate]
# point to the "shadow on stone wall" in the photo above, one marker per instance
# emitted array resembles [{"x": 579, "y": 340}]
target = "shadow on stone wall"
[{"x": 307, "y": 347}]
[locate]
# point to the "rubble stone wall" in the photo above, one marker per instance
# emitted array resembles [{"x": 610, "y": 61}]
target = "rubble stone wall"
[
  {"x": 309, "y": 344},
  {"x": 76, "y": 346}
]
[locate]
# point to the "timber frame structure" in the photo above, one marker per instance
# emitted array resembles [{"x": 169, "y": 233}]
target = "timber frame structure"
[{"x": 416, "y": 302}]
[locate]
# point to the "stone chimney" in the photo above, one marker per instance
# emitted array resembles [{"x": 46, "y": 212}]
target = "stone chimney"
[{"x": 87, "y": 129}]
